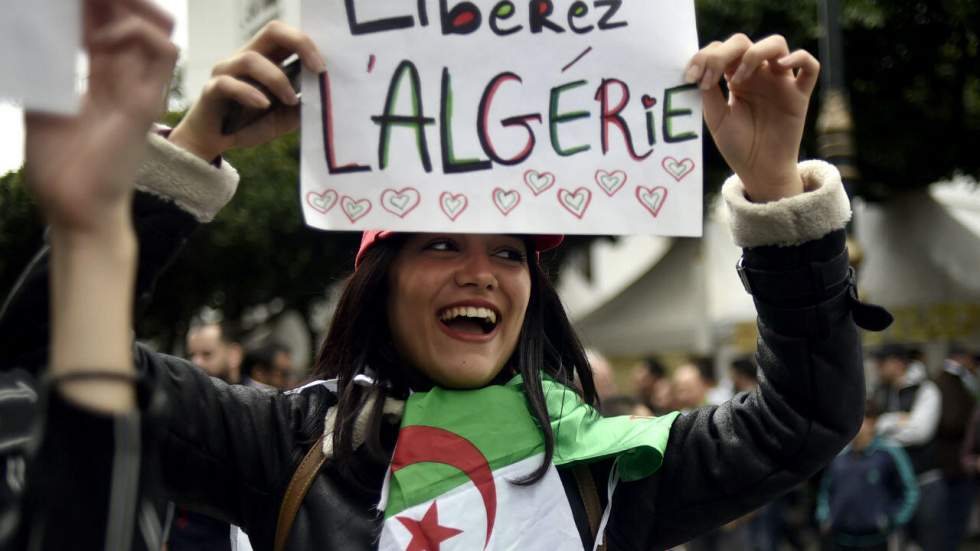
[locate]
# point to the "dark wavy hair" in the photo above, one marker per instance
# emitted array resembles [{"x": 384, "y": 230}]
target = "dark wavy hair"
[{"x": 360, "y": 339}]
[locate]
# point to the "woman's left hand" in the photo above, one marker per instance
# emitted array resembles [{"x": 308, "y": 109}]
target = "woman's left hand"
[{"x": 759, "y": 126}]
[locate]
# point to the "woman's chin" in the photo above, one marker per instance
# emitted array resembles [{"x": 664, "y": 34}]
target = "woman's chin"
[{"x": 465, "y": 375}]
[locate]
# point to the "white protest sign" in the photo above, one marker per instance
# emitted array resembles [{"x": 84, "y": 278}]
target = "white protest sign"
[
  {"x": 39, "y": 42},
  {"x": 541, "y": 116}
]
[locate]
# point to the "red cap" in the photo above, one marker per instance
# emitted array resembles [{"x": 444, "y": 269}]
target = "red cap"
[{"x": 369, "y": 238}]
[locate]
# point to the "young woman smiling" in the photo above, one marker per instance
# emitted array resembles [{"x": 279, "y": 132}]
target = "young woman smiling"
[{"x": 441, "y": 316}]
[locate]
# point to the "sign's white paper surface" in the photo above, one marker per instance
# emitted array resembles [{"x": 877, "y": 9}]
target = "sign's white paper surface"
[{"x": 492, "y": 118}]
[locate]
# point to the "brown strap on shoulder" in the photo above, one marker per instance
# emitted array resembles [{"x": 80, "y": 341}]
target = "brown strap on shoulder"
[
  {"x": 590, "y": 498},
  {"x": 296, "y": 491}
]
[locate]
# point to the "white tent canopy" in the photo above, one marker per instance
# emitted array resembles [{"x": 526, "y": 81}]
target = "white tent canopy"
[
  {"x": 650, "y": 295},
  {"x": 922, "y": 249}
]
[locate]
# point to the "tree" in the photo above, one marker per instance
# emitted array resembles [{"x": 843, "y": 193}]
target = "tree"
[
  {"x": 257, "y": 251},
  {"x": 913, "y": 73}
]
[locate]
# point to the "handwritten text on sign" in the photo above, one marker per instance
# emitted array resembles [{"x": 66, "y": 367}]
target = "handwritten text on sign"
[{"x": 537, "y": 116}]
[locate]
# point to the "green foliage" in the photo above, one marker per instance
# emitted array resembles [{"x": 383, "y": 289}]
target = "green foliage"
[
  {"x": 21, "y": 231},
  {"x": 915, "y": 90},
  {"x": 912, "y": 70}
]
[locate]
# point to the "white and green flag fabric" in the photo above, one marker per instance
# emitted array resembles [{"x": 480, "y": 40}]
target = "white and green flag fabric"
[{"x": 450, "y": 486}]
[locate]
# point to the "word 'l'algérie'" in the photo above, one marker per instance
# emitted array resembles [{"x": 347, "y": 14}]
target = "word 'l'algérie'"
[{"x": 612, "y": 96}]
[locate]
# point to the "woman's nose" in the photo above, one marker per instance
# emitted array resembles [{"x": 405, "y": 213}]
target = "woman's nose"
[{"x": 476, "y": 270}]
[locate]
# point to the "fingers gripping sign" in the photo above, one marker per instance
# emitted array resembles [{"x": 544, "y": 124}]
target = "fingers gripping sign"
[
  {"x": 238, "y": 79},
  {"x": 759, "y": 126}
]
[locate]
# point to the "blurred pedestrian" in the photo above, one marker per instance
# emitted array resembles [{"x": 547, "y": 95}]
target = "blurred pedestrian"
[
  {"x": 958, "y": 387},
  {"x": 744, "y": 374},
  {"x": 648, "y": 379},
  {"x": 214, "y": 347},
  {"x": 622, "y": 404},
  {"x": 269, "y": 366},
  {"x": 602, "y": 374},
  {"x": 910, "y": 406},
  {"x": 868, "y": 492},
  {"x": 690, "y": 390}
]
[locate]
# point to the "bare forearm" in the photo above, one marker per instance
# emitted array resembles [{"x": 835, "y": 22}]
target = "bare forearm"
[{"x": 91, "y": 282}]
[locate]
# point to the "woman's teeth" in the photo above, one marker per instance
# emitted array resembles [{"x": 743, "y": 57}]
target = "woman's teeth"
[{"x": 480, "y": 313}]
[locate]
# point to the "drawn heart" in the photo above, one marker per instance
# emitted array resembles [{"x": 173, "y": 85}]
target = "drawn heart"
[
  {"x": 678, "y": 169},
  {"x": 453, "y": 205},
  {"x": 400, "y": 202},
  {"x": 506, "y": 201},
  {"x": 539, "y": 182},
  {"x": 652, "y": 199},
  {"x": 577, "y": 202},
  {"x": 322, "y": 202},
  {"x": 610, "y": 182},
  {"x": 355, "y": 209},
  {"x": 648, "y": 101}
]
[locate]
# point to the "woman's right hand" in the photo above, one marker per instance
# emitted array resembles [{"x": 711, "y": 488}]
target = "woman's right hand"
[{"x": 200, "y": 131}]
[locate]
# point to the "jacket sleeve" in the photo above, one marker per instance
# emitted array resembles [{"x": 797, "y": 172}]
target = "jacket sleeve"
[
  {"x": 724, "y": 461},
  {"x": 906, "y": 486}
]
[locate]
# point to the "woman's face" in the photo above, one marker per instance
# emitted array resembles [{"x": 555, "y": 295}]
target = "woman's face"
[{"x": 457, "y": 303}]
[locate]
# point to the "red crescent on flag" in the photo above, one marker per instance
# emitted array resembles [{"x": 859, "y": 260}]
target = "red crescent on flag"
[{"x": 421, "y": 444}]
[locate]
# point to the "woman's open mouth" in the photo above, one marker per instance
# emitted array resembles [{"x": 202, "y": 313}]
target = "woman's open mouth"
[{"x": 475, "y": 321}]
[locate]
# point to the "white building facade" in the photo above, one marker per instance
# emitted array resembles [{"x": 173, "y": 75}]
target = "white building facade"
[{"x": 218, "y": 28}]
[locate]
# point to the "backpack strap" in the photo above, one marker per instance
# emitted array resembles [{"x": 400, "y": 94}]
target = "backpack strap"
[
  {"x": 590, "y": 499},
  {"x": 299, "y": 485}
]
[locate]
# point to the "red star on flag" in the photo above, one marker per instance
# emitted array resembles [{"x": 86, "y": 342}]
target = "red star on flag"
[{"x": 427, "y": 534}]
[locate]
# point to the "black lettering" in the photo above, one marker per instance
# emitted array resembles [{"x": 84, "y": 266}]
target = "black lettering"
[
  {"x": 578, "y": 10},
  {"x": 463, "y": 18},
  {"x": 378, "y": 25},
  {"x": 503, "y": 10},
  {"x": 612, "y": 7},
  {"x": 540, "y": 10}
]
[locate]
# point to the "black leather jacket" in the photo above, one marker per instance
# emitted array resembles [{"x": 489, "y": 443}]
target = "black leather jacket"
[{"x": 230, "y": 450}]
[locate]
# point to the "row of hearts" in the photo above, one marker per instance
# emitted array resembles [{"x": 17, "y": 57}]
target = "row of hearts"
[{"x": 401, "y": 202}]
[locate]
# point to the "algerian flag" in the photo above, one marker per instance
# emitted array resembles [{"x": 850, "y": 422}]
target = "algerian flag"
[{"x": 450, "y": 484}]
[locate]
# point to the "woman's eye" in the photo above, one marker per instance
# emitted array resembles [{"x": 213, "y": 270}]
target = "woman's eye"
[
  {"x": 442, "y": 245},
  {"x": 510, "y": 254}
]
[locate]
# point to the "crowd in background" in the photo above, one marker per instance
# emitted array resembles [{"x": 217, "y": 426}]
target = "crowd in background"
[{"x": 907, "y": 481}]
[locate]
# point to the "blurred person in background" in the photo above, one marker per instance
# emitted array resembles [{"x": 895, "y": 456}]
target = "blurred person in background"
[
  {"x": 910, "y": 406},
  {"x": 622, "y": 404},
  {"x": 269, "y": 366},
  {"x": 867, "y": 492},
  {"x": 602, "y": 374},
  {"x": 690, "y": 390},
  {"x": 744, "y": 374},
  {"x": 648, "y": 378},
  {"x": 958, "y": 387},
  {"x": 214, "y": 347}
]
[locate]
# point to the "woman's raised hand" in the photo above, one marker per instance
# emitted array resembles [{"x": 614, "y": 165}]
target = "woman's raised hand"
[
  {"x": 200, "y": 131},
  {"x": 759, "y": 126},
  {"x": 81, "y": 168}
]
